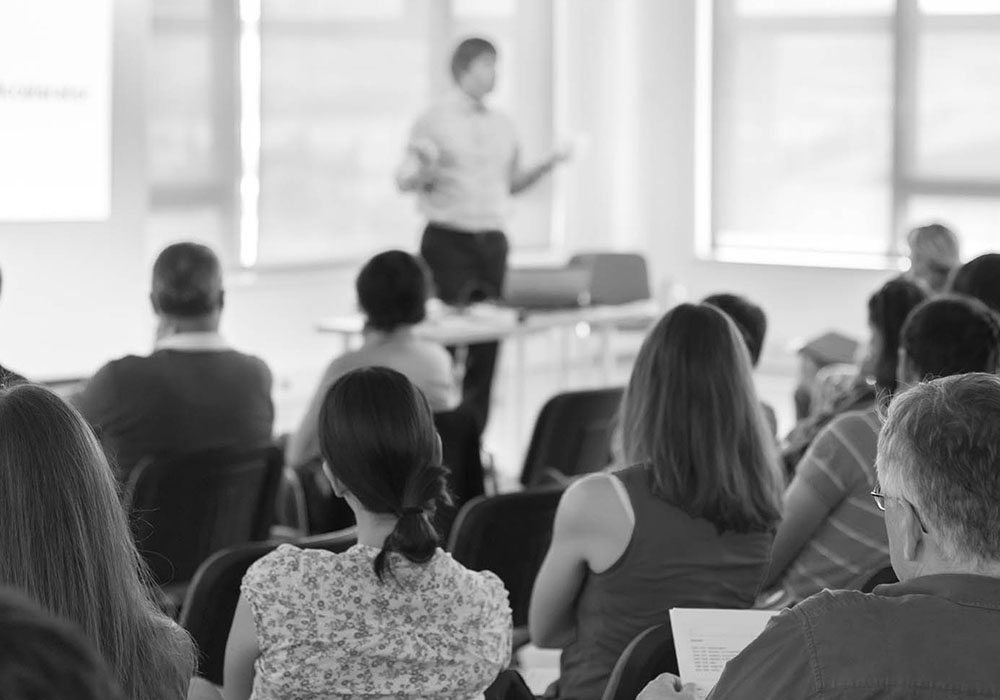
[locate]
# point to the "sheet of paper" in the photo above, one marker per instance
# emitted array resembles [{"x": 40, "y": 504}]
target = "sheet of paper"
[{"x": 706, "y": 639}]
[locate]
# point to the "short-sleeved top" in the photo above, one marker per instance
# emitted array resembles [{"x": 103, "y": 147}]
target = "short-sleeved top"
[
  {"x": 672, "y": 560},
  {"x": 930, "y": 638},
  {"x": 327, "y": 628},
  {"x": 428, "y": 365},
  {"x": 851, "y": 543},
  {"x": 476, "y": 148},
  {"x": 178, "y": 400}
]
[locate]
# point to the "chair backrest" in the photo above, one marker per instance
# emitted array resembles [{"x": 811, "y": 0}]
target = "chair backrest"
[
  {"x": 615, "y": 278},
  {"x": 325, "y": 512},
  {"x": 886, "y": 575},
  {"x": 647, "y": 656},
  {"x": 572, "y": 435},
  {"x": 185, "y": 507},
  {"x": 509, "y": 535},
  {"x": 211, "y": 599},
  {"x": 461, "y": 453}
]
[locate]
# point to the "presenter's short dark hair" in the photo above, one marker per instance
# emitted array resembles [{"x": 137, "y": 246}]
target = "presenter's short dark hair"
[
  {"x": 468, "y": 51},
  {"x": 187, "y": 281},
  {"x": 392, "y": 290},
  {"x": 749, "y": 318}
]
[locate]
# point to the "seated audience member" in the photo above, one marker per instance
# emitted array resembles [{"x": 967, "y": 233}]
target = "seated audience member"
[
  {"x": 65, "y": 544},
  {"x": 194, "y": 392},
  {"x": 933, "y": 255},
  {"x": 395, "y": 615},
  {"x": 752, "y": 322},
  {"x": 831, "y": 535},
  {"x": 936, "y": 634},
  {"x": 43, "y": 658},
  {"x": 392, "y": 292},
  {"x": 887, "y": 310},
  {"x": 979, "y": 278},
  {"x": 7, "y": 377},
  {"x": 689, "y": 524}
]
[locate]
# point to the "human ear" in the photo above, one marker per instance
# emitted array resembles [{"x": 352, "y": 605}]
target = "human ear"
[
  {"x": 339, "y": 490},
  {"x": 913, "y": 533}
]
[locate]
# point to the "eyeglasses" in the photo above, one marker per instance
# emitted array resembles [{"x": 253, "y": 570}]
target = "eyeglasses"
[{"x": 880, "y": 497}]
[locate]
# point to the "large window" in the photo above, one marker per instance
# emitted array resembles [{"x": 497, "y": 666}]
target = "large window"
[
  {"x": 838, "y": 124},
  {"x": 276, "y": 125}
]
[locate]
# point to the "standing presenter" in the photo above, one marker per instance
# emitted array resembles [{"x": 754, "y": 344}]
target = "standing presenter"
[{"x": 463, "y": 162}]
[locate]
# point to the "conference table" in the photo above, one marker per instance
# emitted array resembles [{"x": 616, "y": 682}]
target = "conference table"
[{"x": 485, "y": 322}]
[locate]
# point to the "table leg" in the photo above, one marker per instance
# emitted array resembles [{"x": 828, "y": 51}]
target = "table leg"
[{"x": 607, "y": 354}]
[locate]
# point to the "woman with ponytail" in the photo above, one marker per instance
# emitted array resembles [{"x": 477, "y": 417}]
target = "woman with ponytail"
[{"x": 395, "y": 615}]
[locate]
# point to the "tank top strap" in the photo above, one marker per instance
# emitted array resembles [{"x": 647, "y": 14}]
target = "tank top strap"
[{"x": 623, "y": 497}]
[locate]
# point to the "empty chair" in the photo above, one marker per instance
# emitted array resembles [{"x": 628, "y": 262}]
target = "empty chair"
[
  {"x": 507, "y": 534},
  {"x": 647, "y": 656},
  {"x": 461, "y": 454},
  {"x": 572, "y": 435},
  {"x": 211, "y": 598},
  {"x": 186, "y": 507},
  {"x": 615, "y": 278}
]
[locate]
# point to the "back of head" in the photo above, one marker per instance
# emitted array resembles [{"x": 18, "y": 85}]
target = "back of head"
[
  {"x": 468, "y": 51},
  {"x": 979, "y": 278},
  {"x": 749, "y": 318},
  {"x": 377, "y": 436},
  {"x": 951, "y": 335},
  {"x": 44, "y": 658},
  {"x": 887, "y": 312},
  {"x": 66, "y": 542},
  {"x": 691, "y": 411},
  {"x": 187, "y": 281},
  {"x": 940, "y": 449},
  {"x": 392, "y": 290}
]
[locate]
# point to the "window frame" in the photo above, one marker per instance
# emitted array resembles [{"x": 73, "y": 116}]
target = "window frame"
[{"x": 906, "y": 24}]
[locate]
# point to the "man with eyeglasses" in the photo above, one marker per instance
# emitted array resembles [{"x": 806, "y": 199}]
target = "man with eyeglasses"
[{"x": 936, "y": 634}]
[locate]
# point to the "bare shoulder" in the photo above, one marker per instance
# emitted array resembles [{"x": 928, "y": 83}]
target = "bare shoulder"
[{"x": 590, "y": 500}]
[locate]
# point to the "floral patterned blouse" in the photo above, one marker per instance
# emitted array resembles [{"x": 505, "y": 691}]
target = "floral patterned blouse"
[{"x": 328, "y": 628}]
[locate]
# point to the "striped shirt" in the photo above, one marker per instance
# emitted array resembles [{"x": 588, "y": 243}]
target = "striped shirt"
[{"x": 851, "y": 543}]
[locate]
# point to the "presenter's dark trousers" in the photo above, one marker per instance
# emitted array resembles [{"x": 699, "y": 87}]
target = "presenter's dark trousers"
[{"x": 468, "y": 267}]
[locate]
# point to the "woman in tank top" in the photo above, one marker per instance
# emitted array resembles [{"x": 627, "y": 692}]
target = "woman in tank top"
[{"x": 688, "y": 524}]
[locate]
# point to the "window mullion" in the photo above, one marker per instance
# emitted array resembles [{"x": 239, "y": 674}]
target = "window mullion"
[{"x": 904, "y": 113}]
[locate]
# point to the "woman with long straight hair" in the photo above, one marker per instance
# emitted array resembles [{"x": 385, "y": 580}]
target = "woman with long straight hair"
[
  {"x": 688, "y": 524},
  {"x": 394, "y": 616},
  {"x": 65, "y": 544}
]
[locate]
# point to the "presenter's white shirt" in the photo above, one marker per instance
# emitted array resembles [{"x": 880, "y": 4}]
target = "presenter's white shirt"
[{"x": 476, "y": 149}]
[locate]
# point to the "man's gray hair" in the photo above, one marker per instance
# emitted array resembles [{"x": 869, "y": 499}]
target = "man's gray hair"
[{"x": 940, "y": 448}]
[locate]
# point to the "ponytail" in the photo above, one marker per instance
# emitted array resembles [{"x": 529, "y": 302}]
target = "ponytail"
[{"x": 414, "y": 535}]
